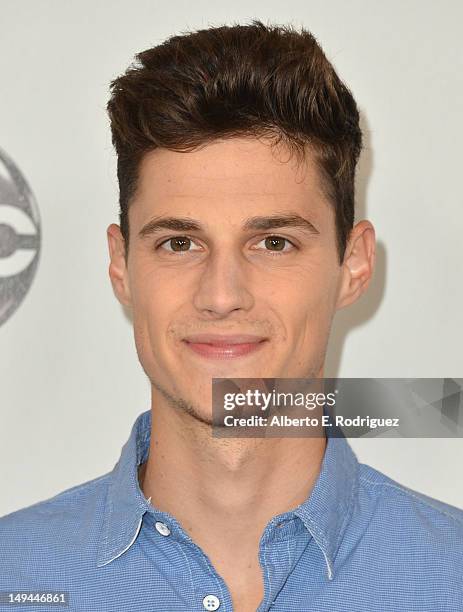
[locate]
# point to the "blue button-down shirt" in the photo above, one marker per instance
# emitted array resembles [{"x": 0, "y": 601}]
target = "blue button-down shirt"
[{"x": 361, "y": 542}]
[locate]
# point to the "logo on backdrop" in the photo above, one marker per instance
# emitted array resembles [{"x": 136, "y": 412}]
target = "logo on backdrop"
[{"x": 19, "y": 237}]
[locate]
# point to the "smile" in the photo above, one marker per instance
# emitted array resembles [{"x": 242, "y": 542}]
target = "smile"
[{"x": 224, "y": 347}]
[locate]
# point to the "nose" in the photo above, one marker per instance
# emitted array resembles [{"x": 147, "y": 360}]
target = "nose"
[{"x": 224, "y": 285}]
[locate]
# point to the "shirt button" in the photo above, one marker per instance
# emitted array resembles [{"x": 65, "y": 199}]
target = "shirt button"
[
  {"x": 211, "y": 602},
  {"x": 163, "y": 529}
]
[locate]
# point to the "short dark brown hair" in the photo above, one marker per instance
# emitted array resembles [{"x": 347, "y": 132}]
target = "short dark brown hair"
[{"x": 255, "y": 80}]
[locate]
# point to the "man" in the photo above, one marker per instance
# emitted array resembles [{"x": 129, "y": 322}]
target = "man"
[{"x": 237, "y": 149}]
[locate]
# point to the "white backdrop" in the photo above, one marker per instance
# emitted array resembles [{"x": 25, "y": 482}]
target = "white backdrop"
[{"x": 71, "y": 385}]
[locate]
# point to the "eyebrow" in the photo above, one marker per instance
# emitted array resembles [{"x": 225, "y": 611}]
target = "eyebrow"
[{"x": 185, "y": 224}]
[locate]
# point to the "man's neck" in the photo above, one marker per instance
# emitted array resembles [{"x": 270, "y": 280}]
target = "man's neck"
[{"x": 225, "y": 490}]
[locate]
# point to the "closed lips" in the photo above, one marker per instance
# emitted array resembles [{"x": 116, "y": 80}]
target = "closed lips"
[{"x": 220, "y": 340}]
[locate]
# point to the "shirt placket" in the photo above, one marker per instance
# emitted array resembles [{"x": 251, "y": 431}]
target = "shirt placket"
[
  {"x": 210, "y": 592},
  {"x": 278, "y": 558}
]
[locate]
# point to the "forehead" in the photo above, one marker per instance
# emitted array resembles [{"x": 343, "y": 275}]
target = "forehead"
[{"x": 234, "y": 170}]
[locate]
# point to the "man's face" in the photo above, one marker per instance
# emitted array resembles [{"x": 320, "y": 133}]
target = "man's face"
[{"x": 238, "y": 273}]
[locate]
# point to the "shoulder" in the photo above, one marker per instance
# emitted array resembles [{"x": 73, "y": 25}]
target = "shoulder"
[
  {"x": 52, "y": 529},
  {"x": 411, "y": 516},
  {"x": 59, "y": 506}
]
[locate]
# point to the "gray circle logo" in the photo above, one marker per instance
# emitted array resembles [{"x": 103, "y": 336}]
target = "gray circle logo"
[{"x": 19, "y": 237}]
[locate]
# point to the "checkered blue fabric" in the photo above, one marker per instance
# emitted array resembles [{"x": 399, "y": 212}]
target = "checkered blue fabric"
[{"x": 361, "y": 542}]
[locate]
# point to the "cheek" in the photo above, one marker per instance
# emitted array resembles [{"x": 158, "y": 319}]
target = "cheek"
[
  {"x": 153, "y": 303},
  {"x": 306, "y": 304}
]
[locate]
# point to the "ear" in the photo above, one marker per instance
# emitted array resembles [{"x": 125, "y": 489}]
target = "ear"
[
  {"x": 358, "y": 264},
  {"x": 118, "y": 267}
]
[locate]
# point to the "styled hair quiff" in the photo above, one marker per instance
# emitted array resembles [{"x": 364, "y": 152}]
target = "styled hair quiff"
[{"x": 240, "y": 80}]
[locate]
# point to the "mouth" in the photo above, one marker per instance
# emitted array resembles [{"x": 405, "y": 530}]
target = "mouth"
[{"x": 216, "y": 346}]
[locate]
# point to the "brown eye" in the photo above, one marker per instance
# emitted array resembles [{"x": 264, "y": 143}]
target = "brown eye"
[
  {"x": 277, "y": 243},
  {"x": 177, "y": 244}
]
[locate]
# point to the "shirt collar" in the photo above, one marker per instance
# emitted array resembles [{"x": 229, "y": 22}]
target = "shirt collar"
[
  {"x": 125, "y": 502},
  {"x": 328, "y": 509},
  {"x": 325, "y": 513}
]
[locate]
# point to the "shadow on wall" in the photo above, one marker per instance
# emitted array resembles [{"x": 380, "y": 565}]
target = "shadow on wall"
[{"x": 360, "y": 312}]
